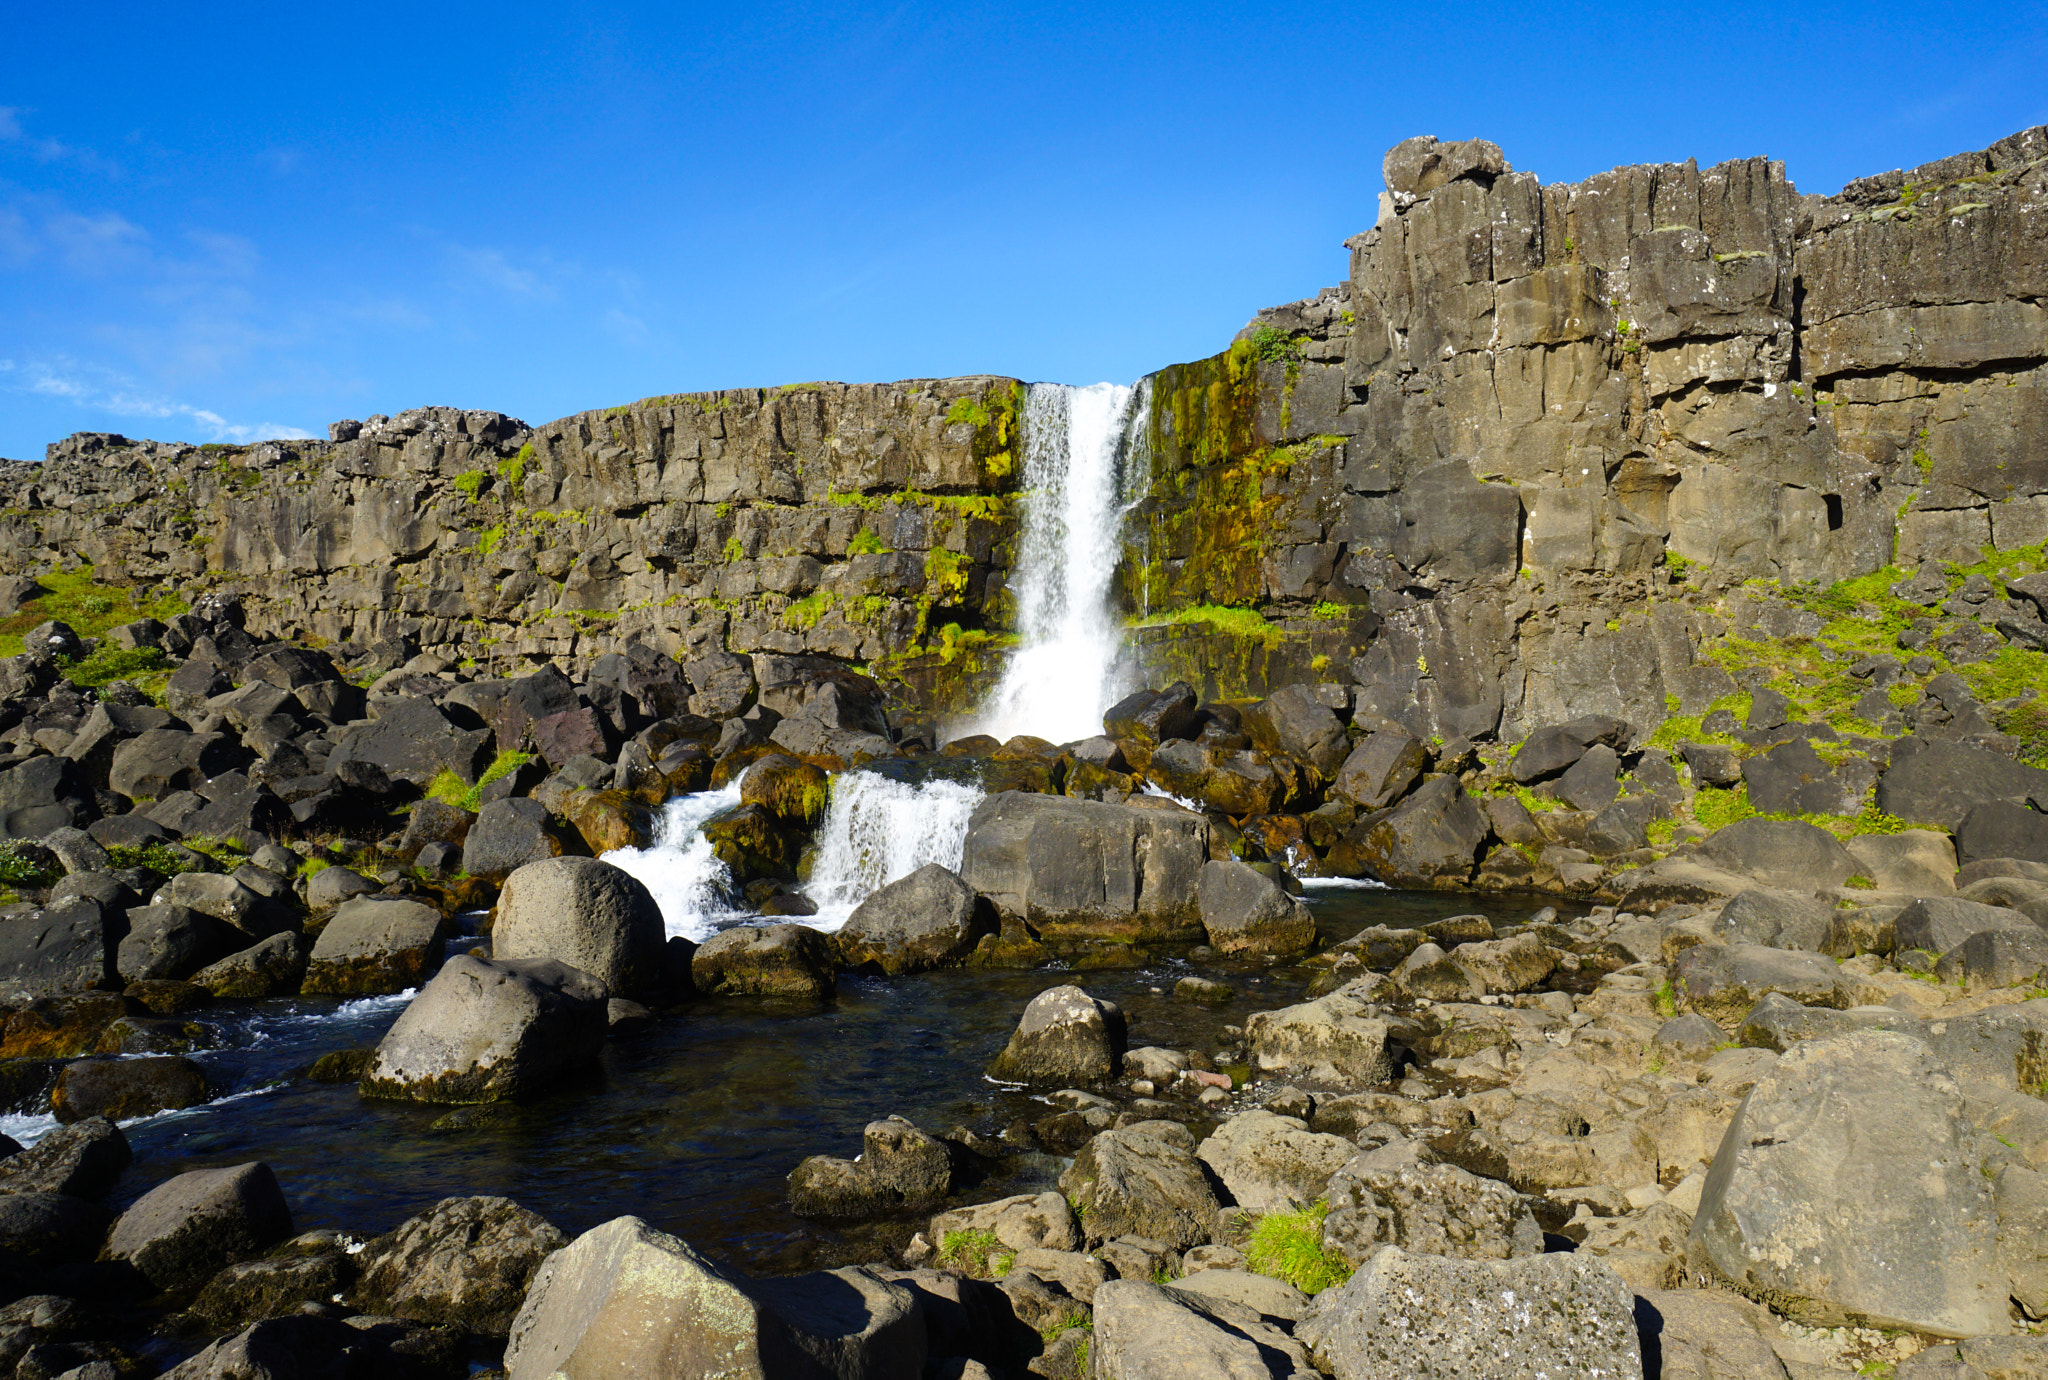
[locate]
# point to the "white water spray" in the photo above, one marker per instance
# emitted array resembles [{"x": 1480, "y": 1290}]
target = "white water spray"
[
  {"x": 688, "y": 882},
  {"x": 1078, "y": 444},
  {"x": 877, "y": 830}
]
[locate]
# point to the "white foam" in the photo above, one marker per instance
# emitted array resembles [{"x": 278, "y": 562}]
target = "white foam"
[
  {"x": 1343, "y": 883},
  {"x": 877, "y": 830},
  {"x": 1078, "y": 446},
  {"x": 27, "y": 1127},
  {"x": 689, "y": 883}
]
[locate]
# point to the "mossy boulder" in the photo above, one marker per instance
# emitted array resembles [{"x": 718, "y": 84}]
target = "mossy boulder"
[
  {"x": 764, "y": 961},
  {"x": 609, "y": 819},
  {"x": 795, "y": 793},
  {"x": 752, "y": 843}
]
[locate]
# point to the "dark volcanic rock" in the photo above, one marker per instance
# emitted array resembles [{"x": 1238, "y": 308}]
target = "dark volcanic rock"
[
  {"x": 490, "y": 1031},
  {"x": 926, "y": 920}
]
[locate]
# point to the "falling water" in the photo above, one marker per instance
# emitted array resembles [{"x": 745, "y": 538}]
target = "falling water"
[
  {"x": 877, "y": 830},
  {"x": 1078, "y": 445},
  {"x": 688, "y": 881}
]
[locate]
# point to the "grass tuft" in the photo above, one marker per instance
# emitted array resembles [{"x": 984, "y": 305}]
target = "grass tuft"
[{"x": 1288, "y": 1246}]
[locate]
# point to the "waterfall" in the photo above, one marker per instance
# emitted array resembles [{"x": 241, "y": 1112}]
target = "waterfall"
[
  {"x": 687, "y": 880},
  {"x": 877, "y": 830},
  {"x": 874, "y": 831},
  {"x": 1079, "y": 444}
]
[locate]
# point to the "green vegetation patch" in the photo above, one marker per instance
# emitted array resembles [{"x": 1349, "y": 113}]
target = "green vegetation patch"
[
  {"x": 450, "y": 789},
  {"x": 1289, "y": 1246},
  {"x": 108, "y": 664},
  {"x": 91, "y": 608},
  {"x": 470, "y": 483},
  {"x": 157, "y": 857},
  {"x": 980, "y": 1253},
  {"x": 1246, "y": 623}
]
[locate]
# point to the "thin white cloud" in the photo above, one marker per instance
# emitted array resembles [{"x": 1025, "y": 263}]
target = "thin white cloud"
[
  {"x": 626, "y": 328},
  {"x": 103, "y": 391},
  {"x": 496, "y": 269},
  {"x": 44, "y": 150}
]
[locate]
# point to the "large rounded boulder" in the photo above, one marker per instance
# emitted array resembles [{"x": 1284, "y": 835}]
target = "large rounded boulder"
[
  {"x": 585, "y": 913},
  {"x": 1065, "y": 1039},
  {"x": 490, "y": 1031},
  {"x": 925, "y": 920},
  {"x": 764, "y": 961}
]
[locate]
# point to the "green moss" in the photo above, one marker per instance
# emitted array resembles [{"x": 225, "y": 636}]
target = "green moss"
[
  {"x": 91, "y": 608},
  {"x": 17, "y": 869},
  {"x": 1715, "y": 808},
  {"x": 488, "y": 539},
  {"x": 470, "y": 483},
  {"x": 450, "y": 789},
  {"x": 158, "y": 857},
  {"x": 967, "y": 410},
  {"x": 1247, "y": 623},
  {"x": 1666, "y": 998},
  {"x": 1288, "y": 1246},
  {"x": 514, "y": 470},
  {"x": 865, "y": 543},
  {"x": 733, "y": 550},
  {"x": 1271, "y": 345},
  {"x": 110, "y": 663},
  {"x": 803, "y": 615},
  {"x": 946, "y": 572},
  {"x": 1860, "y": 883}
]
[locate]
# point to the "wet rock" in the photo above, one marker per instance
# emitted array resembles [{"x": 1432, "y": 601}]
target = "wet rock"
[
  {"x": 929, "y": 919},
  {"x": 465, "y": 1263},
  {"x": 507, "y": 835},
  {"x": 1145, "y": 1330},
  {"x": 585, "y": 913},
  {"x": 374, "y": 945},
  {"x": 1405, "y": 1315},
  {"x": 900, "y": 1168},
  {"x": 1246, "y": 912},
  {"x": 490, "y": 1031},
  {"x": 1065, "y": 1038},
  {"x": 764, "y": 961},
  {"x": 122, "y": 1088},
  {"x": 1085, "y": 867},
  {"x": 1273, "y": 1163},
  {"x": 1142, "y": 1180},
  {"x": 625, "y": 1299},
  {"x": 187, "y": 1229},
  {"x": 274, "y": 967},
  {"x": 1144, "y": 719},
  {"x": 1332, "y": 1040},
  {"x": 752, "y": 843},
  {"x": 796, "y": 793},
  {"x": 1396, "y": 1197},
  {"x": 1202, "y": 991},
  {"x": 59, "y": 1027},
  {"x": 1847, "y": 1188},
  {"x": 82, "y": 1160},
  {"x": 1497, "y": 966}
]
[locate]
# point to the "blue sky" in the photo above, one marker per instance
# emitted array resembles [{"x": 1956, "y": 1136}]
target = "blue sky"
[{"x": 219, "y": 222}]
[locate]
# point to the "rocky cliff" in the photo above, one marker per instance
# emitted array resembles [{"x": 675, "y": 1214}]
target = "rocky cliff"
[{"x": 1502, "y": 474}]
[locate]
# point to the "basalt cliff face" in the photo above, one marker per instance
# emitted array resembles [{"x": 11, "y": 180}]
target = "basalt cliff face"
[{"x": 1508, "y": 471}]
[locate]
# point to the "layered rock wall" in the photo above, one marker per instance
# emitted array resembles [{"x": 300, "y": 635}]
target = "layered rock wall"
[{"x": 1488, "y": 478}]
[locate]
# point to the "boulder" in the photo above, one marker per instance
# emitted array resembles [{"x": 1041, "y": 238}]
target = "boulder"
[
  {"x": 1144, "y": 719},
  {"x": 81, "y": 1160},
  {"x": 229, "y": 900},
  {"x": 899, "y": 1168},
  {"x": 1142, "y": 1180},
  {"x": 1273, "y": 1163},
  {"x": 1996, "y": 958},
  {"x": 1917, "y": 862},
  {"x": 310, "y": 1268},
  {"x": 1592, "y": 782},
  {"x": 122, "y": 1088},
  {"x": 1504, "y": 966},
  {"x": 1848, "y": 1188},
  {"x": 1393, "y": 1197},
  {"x": 2029, "y": 898},
  {"x": 1775, "y": 919},
  {"x": 1978, "y": 1358},
  {"x": 1938, "y": 783},
  {"x": 159, "y": 761},
  {"x": 1023, "y": 1222},
  {"x": 1702, "y": 1334},
  {"x": 1552, "y": 750},
  {"x": 490, "y": 1031},
  {"x": 929, "y": 919},
  {"x": 1244, "y": 911},
  {"x": 1334, "y": 1041},
  {"x": 2003, "y": 829},
  {"x": 432, "y": 821},
  {"x": 585, "y": 913},
  {"x": 1793, "y": 779},
  {"x": 1065, "y": 1038},
  {"x": 185, "y": 1230},
  {"x": 1405, "y": 1317},
  {"x": 44, "y": 1229},
  {"x": 1784, "y": 853},
  {"x": 1145, "y": 1331},
  {"x": 464, "y": 1263},
  {"x": 507, "y": 835},
  {"x": 1939, "y": 923},
  {"x": 764, "y": 961},
  {"x": 1293, "y": 721},
  {"x": 796, "y": 793},
  {"x": 274, "y": 967},
  {"x": 626, "y": 1300},
  {"x": 1381, "y": 769},
  {"x": 330, "y": 886},
  {"x": 1432, "y": 837},
  {"x": 67, "y": 948},
  {"x": 1723, "y": 981},
  {"x": 376, "y": 944},
  {"x": 1084, "y": 867},
  {"x": 172, "y": 942},
  {"x": 411, "y": 740}
]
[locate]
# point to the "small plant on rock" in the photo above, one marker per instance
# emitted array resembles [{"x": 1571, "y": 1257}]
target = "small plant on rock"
[{"x": 1288, "y": 1246}]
